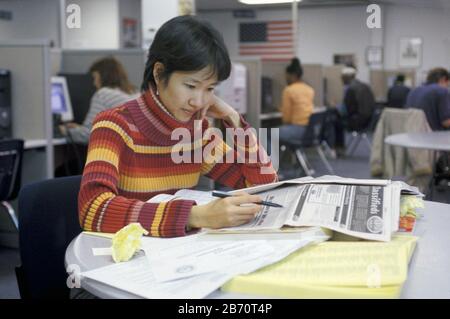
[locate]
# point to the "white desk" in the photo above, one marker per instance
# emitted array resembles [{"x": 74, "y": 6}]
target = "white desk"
[
  {"x": 35, "y": 159},
  {"x": 31, "y": 144},
  {"x": 434, "y": 141},
  {"x": 428, "y": 272}
]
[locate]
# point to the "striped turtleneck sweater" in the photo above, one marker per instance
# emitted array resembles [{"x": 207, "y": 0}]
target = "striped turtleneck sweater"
[{"x": 129, "y": 161}]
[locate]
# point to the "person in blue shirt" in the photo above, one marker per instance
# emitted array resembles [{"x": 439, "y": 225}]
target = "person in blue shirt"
[{"x": 433, "y": 98}]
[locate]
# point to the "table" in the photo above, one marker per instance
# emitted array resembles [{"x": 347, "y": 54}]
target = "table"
[
  {"x": 428, "y": 272},
  {"x": 433, "y": 141},
  {"x": 30, "y": 144}
]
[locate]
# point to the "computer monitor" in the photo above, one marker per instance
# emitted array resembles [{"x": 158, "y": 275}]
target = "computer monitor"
[
  {"x": 81, "y": 90},
  {"x": 60, "y": 99}
]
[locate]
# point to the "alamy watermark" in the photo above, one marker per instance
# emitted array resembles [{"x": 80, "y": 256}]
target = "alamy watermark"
[
  {"x": 73, "y": 19},
  {"x": 248, "y": 148},
  {"x": 374, "y": 19}
]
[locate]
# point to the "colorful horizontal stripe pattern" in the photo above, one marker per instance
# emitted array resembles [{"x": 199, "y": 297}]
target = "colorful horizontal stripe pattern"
[{"x": 129, "y": 161}]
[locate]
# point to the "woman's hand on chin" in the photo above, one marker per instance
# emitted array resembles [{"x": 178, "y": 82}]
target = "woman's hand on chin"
[{"x": 223, "y": 111}]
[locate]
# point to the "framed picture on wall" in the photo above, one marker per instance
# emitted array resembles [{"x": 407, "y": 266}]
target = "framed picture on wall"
[
  {"x": 129, "y": 33},
  {"x": 345, "y": 59},
  {"x": 410, "y": 52},
  {"x": 374, "y": 55}
]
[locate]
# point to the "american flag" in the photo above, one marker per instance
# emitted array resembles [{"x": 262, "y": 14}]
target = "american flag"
[{"x": 272, "y": 40}]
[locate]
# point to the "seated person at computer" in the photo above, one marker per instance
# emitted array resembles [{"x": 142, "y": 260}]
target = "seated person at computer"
[
  {"x": 354, "y": 113},
  {"x": 296, "y": 105},
  {"x": 359, "y": 102},
  {"x": 132, "y": 155},
  {"x": 398, "y": 93},
  {"x": 434, "y": 99},
  {"x": 113, "y": 88}
]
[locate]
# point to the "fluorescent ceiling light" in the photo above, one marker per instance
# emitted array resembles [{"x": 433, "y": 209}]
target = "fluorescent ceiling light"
[{"x": 266, "y": 1}]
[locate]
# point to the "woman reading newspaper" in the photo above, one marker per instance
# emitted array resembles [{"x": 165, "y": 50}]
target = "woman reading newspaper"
[{"x": 133, "y": 148}]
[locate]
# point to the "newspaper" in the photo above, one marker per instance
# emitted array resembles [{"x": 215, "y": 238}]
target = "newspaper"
[
  {"x": 368, "y": 209},
  {"x": 363, "y": 208}
]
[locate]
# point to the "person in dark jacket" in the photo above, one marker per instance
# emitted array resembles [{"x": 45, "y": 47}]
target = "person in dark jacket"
[
  {"x": 398, "y": 93},
  {"x": 359, "y": 102},
  {"x": 354, "y": 113}
]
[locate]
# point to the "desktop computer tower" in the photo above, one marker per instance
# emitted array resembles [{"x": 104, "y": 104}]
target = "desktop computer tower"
[{"x": 5, "y": 104}]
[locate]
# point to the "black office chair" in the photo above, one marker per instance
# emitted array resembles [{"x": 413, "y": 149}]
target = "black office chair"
[
  {"x": 357, "y": 135},
  {"x": 311, "y": 139},
  {"x": 11, "y": 154},
  {"x": 48, "y": 218}
]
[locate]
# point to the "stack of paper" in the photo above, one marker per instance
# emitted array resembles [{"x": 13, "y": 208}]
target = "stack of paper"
[
  {"x": 334, "y": 270},
  {"x": 195, "y": 266}
]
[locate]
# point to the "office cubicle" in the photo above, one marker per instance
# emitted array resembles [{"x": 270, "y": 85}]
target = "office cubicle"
[
  {"x": 333, "y": 86},
  {"x": 30, "y": 66},
  {"x": 79, "y": 61},
  {"x": 381, "y": 80},
  {"x": 274, "y": 70}
]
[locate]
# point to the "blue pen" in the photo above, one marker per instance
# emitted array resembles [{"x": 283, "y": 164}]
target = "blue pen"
[{"x": 225, "y": 195}]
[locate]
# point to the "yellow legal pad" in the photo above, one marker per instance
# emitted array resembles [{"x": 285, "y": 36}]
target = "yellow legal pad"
[{"x": 362, "y": 269}]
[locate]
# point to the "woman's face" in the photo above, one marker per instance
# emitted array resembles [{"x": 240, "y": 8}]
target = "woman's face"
[{"x": 186, "y": 93}]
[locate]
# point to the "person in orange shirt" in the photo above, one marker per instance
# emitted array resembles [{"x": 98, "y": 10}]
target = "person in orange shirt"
[{"x": 297, "y": 103}]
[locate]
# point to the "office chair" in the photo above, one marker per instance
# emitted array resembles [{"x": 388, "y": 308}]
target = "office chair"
[
  {"x": 48, "y": 218},
  {"x": 11, "y": 154},
  {"x": 362, "y": 134},
  {"x": 310, "y": 139}
]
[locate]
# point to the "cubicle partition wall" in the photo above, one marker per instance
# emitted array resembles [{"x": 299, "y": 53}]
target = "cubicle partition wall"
[
  {"x": 334, "y": 88},
  {"x": 55, "y": 61},
  {"x": 276, "y": 72},
  {"x": 30, "y": 66},
  {"x": 256, "y": 69},
  {"x": 254, "y": 74},
  {"x": 79, "y": 61},
  {"x": 313, "y": 74},
  {"x": 381, "y": 80}
]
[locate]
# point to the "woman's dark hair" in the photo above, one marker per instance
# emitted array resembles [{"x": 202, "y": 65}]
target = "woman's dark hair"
[
  {"x": 112, "y": 74},
  {"x": 295, "y": 68},
  {"x": 437, "y": 74},
  {"x": 186, "y": 44}
]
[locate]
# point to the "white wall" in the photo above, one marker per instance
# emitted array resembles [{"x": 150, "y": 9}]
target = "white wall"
[
  {"x": 432, "y": 25},
  {"x": 30, "y": 19},
  {"x": 154, "y": 14},
  {"x": 100, "y": 22},
  {"x": 322, "y": 32},
  {"x": 99, "y": 25}
]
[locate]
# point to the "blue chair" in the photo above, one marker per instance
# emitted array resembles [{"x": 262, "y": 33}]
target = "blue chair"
[
  {"x": 311, "y": 138},
  {"x": 48, "y": 219}
]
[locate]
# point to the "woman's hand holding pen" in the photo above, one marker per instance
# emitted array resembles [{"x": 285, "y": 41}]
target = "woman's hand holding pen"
[{"x": 225, "y": 212}]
